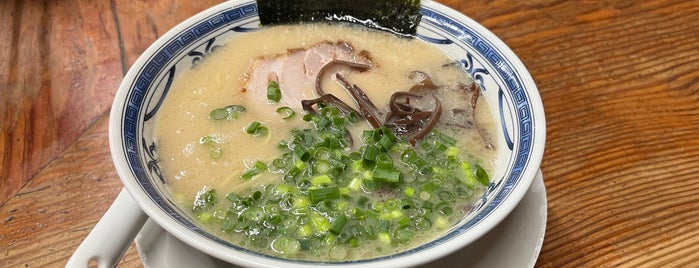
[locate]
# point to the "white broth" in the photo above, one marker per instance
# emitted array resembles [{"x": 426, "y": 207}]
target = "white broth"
[{"x": 198, "y": 153}]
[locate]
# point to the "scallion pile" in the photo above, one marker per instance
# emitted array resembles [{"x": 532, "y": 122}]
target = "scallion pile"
[{"x": 332, "y": 198}]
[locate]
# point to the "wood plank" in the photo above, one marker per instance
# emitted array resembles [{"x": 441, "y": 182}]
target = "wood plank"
[
  {"x": 62, "y": 71},
  {"x": 47, "y": 220},
  {"x": 90, "y": 51},
  {"x": 142, "y": 22}
]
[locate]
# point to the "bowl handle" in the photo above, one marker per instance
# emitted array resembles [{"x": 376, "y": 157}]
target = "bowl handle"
[{"x": 112, "y": 236}]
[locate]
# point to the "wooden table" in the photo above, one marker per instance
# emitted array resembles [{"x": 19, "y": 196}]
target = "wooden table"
[{"x": 619, "y": 81}]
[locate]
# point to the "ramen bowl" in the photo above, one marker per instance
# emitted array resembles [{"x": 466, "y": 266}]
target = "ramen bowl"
[{"x": 504, "y": 81}]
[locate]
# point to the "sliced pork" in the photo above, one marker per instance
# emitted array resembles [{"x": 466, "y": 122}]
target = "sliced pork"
[{"x": 296, "y": 71}]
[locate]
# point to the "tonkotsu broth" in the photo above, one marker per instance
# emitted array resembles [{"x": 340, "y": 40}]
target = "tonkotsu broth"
[{"x": 215, "y": 82}]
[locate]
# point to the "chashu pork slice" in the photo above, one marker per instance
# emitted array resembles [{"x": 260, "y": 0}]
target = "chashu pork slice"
[{"x": 296, "y": 71}]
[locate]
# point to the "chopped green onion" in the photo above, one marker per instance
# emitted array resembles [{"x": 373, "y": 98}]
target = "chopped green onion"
[
  {"x": 229, "y": 225},
  {"x": 284, "y": 188},
  {"x": 219, "y": 114},
  {"x": 444, "y": 138},
  {"x": 481, "y": 175},
  {"x": 205, "y": 217},
  {"x": 369, "y": 185},
  {"x": 406, "y": 203},
  {"x": 257, "y": 129},
  {"x": 353, "y": 242},
  {"x": 377, "y": 206},
  {"x": 321, "y": 167},
  {"x": 338, "y": 122},
  {"x": 206, "y": 198},
  {"x": 441, "y": 223},
  {"x": 404, "y": 234},
  {"x": 303, "y": 153},
  {"x": 371, "y": 136},
  {"x": 391, "y": 204},
  {"x": 322, "y": 153},
  {"x": 425, "y": 195},
  {"x": 353, "y": 117},
  {"x": 387, "y": 175},
  {"x": 338, "y": 224},
  {"x": 354, "y": 184},
  {"x": 384, "y": 226},
  {"x": 319, "y": 194},
  {"x": 256, "y": 195},
  {"x": 307, "y": 117},
  {"x": 256, "y": 169},
  {"x": 233, "y": 197},
  {"x": 286, "y": 245},
  {"x": 260, "y": 165},
  {"x": 385, "y": 238},
  {"x": 432, "y": 186},
  {"x": 387, "y": 140},
  {"x": 279, "y": 163},
  {"x": 207, "y": 140},
  {"x": 422, "y": 223},
  {"x": 252, "y": 128},
  {"x": 412, "y": 159},
  {"x": 215, "y": 152},
  {"x": 384, "y": 161},
  {"x": 444, "y": 209},
  {"x": 369, "y": 154},
  {"x": 321, "y": 179},
  {"x": 249, "y": 174},
  {"x": 355, "y": 156},
  {"x": 469, "y": 176},
  {"x": 273, "y": 92},
  {"x": 325, "y": 198},
  {"x": 391, "y": 215},
  {"x": 303, "y": 184},
  {"x": 304, "y": 230},
  {"x": 253, "y": 214},
  {"x": 445, "y": 196},
  {"x": 247, "y": 201},
  {"x": 409, "y": 191},
  {"x": 463, "y": 192},
  {"x": 320, "y": 222},
  {"x": 262, "y": 131},
  {"x": 452, "y": 151},
  {"x": 300, "y": 201},
  {"x": 228, "y": 112},
  {"x": 290, "y": 113}
]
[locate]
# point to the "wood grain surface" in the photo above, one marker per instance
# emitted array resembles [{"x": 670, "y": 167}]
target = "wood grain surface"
[{"x": 619, "y": 81}]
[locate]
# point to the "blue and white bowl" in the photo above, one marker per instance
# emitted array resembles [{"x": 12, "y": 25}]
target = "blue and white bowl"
[{"x": 504, "y": 80}]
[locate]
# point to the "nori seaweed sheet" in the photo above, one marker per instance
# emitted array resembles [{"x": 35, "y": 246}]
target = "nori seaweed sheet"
[{"x": 398, "y": 16}]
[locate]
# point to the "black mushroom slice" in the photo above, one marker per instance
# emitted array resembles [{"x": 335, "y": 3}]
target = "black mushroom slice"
[
  {"x": 327, "y": 99},
  {"x": 429, "y": 123},
  {"x": 475, "y": 92},
  {"x": 329, "y": 65},
  {"x": 367, "y": 109},
  {"x": 411, "y": 115},
  {"x": 400, "y": 104},
  {"x": 423, "y": 82},
  {"x": 462, "y": 117},
  {"x": 408, "y": 121}
]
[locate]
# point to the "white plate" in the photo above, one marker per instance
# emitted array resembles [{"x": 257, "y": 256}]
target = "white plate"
[{"x": 515, "y": 242}]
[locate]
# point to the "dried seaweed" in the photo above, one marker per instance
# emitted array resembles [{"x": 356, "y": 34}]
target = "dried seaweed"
[{"x": 398, "y": 16}]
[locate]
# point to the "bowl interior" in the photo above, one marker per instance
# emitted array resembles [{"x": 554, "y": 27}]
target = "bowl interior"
[{"x": 505, "y": 82}]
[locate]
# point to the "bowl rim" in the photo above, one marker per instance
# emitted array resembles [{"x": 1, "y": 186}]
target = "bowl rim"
[{"x": 432, "y": 253}]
